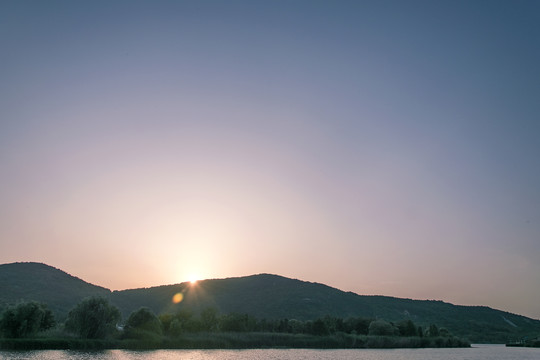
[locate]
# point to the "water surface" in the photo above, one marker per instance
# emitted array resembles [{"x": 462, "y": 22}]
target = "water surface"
[{"x": 477, "y": 352}]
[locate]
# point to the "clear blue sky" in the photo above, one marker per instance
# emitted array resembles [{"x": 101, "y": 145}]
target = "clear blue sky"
[{"x": 380, "y": 147}]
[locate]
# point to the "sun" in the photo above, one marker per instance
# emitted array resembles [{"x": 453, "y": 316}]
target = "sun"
[{"x": 193, "y": 279}]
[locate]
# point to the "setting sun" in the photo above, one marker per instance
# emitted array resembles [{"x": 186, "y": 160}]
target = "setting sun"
[{"x": 189, "y": 141}]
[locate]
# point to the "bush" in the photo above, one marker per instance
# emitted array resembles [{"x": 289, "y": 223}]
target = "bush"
[
  {"x": 26, "y": 319},
  {"x": 142, "y": 323},
  {"x": 381, "y": 328},
  {"x": 93, "y": 318}
]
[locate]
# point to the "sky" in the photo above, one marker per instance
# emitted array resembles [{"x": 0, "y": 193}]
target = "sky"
[{"x": 380, "y": 147}]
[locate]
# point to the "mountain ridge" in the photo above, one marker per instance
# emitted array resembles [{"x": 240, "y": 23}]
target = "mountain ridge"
[{"x": 264, "y": 296}]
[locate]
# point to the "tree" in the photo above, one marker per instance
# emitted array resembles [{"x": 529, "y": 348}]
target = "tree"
[
  {"x": 296, "y": 326},
  {"x": 142, "y": 321},
  {"x": 407, "y": 328},
  {"x": 26, "y": 319},
  {"x": 181, "y": 322},
  {"x": 93, "y": 318},
  {"x": 283, "y": 326},
  {"x": 209, "y": 319},
  {"x": 381, "y": 327},
  {"x": 184, "y": 321},
  {"x": 237, "y": 322},
  {"x": 319, "y": 328},
  {"x": 433, "y": 330},
  {"x": 357, "y": 325},
  {"x": 444, "y": 332}
]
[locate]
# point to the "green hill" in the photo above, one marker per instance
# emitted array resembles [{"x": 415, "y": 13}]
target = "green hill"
[
  {"x": 46, "y": 284},
  {"x": 264, "y": 296},
  {"x": 275, "y": 297}
]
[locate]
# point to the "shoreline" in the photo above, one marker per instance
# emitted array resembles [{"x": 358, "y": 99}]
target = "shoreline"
[{"x": 236, "y": 341}]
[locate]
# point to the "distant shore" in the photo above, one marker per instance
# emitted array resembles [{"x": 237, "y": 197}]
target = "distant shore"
[
  {"x": 528, "y": 343},
  {"x": 236, "y": 341}
]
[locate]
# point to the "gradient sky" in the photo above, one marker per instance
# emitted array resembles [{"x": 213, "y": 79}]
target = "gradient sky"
[{"x": 380, "y": 147}]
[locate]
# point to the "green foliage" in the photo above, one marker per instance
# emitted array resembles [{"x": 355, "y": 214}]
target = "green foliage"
[
  {"x": 209, "y": 319},
  {"x": 165, "y": 320},
  {"x": 180, "y": 322},
  {"x": 26, "y": 319},
  {"x": 433, "y": 330},
  {"x": 381, "y": 333},
  {"x": 295, "y": 326},
  {"x": 44, "y": 284},
  {"x": 237, "y": 323},
  {"x": 444, "y": 332},
  {"x": 142, "y": 323},
  {"x": 267, "y": 297},
  {"x": 357, "y": 325},
  {"x": 93, "y": 318},
  {"x": 407, "y": 328},
  {"x": 382, "y": 328},
  {"x": 319, "y": 328},
  {"x": 274, "y": 298},
  {"x": 533, "y": 343}
]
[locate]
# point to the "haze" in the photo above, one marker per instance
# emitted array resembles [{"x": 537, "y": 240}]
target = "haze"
[{"x": 380, "y": 147}]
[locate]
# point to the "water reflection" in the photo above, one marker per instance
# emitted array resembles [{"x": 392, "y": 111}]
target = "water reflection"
[{"x": 479, "y": 352}]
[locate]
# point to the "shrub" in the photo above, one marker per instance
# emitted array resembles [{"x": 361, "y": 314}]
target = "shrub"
[
  {"x": 142, "y": 321},
  {"x": 26, "y": 319},
  {"x": 381, "y": 328},
  {"x": 93, "y": 318}
]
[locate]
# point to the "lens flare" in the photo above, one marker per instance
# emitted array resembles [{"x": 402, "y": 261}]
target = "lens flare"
[{"x": 177, "y": 298}]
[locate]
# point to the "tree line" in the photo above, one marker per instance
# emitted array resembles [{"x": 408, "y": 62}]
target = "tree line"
[{"x": 96, "y": 318}]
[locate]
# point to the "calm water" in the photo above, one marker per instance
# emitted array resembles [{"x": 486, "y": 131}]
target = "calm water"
[{"x": 477, "y": 352}]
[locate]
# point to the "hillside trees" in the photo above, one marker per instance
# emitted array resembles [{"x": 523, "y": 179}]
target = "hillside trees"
[
  {"x": 93, "y": 318},
  {"x": 26, "y": 319}
]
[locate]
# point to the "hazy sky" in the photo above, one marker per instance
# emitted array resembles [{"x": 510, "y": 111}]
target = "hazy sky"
[{"x": 380, "y": 147}]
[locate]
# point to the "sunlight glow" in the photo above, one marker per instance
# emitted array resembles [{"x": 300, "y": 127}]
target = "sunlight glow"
[{"x": 177, "y": 298}]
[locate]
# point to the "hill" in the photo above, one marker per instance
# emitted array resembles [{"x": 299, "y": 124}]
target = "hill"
[
  {"x": 46, "y": 284},
  {"x": 276, "y": 297},
  {"x": 263, "y": 296}
]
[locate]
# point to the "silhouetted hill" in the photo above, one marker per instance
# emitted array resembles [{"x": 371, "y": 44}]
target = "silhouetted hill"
[
  {"x": 46, "y": 284},
  {"x": 263, "y": 296},
  {"x": 275, "y": 297}
]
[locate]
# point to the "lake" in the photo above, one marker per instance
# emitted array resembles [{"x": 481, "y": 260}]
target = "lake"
[{"x": 477, "y": 352}]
